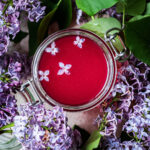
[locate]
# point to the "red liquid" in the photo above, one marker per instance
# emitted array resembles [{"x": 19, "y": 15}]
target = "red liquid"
[{"x": 86, "y": 76}]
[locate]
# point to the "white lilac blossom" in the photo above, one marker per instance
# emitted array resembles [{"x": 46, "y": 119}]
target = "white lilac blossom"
[
  {"x": 79, "y": 14},
  {"x": 9, "y": 18},
  {"x": 44, "y": 75},
  {"x": 64, "y": 69},
  {"x": 8, "y": 108},
  {"x": 37, "y": 128},
  {"x": 53, "y": 49},
  {"x": 79, "y": 41}
]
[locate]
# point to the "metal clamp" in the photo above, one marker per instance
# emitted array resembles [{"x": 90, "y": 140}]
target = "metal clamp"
[
  {"x": 110, "y": 38},
  {"x": 27, "y": 94}
]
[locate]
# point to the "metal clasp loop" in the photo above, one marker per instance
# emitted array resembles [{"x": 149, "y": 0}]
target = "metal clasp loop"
[
  {"x": 110, "y": 38},
  {"x": 27, "y": 94}
]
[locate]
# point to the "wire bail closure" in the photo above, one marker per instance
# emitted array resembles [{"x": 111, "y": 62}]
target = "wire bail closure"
[
  {"x": 27, "y": 94},
  {"x": 110, "y": 38}
]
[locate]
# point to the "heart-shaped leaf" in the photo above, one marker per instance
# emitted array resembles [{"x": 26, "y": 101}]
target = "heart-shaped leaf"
[
  {"x": 43, "y": 27},
  {"x": 33, "y": 43},
  {"x": 91, "y": 7},
  {"x": 132, "y": 7},
  {"x": 137, "y": 34},
  {"x": 101, "y": 25}
]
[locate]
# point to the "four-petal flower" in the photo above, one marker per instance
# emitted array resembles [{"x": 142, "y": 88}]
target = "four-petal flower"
[
  {"x": 53, "y": 50},
  {"x": 64, "y": 69},
  {"x": 44, "y": 75},
  {"x": 79, "y": 41}
]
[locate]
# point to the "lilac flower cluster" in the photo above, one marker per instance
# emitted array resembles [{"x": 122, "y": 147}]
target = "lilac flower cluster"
[
  {"x": 139, "y": 122},
  {"x": 13, "y": 68},
  {"x": 129, "y": 104},
  {"x": 115, "y": 144},
  {"x": 32, "y": 7},
  {"x": 8, "y": 108},
  {"x": 9, "y": 18},
  {"x": 37, "y": 128},
  {"x": 110, "y": 123}
]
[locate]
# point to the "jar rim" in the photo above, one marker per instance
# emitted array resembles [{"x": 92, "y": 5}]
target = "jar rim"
[{"x": 111, "y": 66}]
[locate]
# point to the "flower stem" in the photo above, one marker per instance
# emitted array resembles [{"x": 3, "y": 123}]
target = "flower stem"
[
  {"x": 102, "y": 125},
  {"x": 7, "y": 126},
  {"x": 10, "y": 2},
  {"x": 92, "y": 17},
  {"x": 5, "y": 131},
  {"x": 123, "y": 18}
]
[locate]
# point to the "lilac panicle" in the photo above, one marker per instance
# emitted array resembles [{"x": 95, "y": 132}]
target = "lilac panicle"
[
  {"x": 129, "y": 103},
  {"x": 139, "y": 122},
  {"x": 37, "y": 128},
  {"x": 4, "y": 42},
  {"x": 13, "y": 68},
  {"x": 9, "y": 18},
  {"x": 8, "y": 108},
  {"x": 111, "y": 143},
  {"x": 32, "y": 7}
]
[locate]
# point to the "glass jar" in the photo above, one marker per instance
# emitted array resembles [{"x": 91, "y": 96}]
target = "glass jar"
[{"x": 110, "y": 56}]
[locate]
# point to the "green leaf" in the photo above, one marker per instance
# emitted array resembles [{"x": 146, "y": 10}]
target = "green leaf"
[
  {"x": 93, "y": 141},
  {"x": 132, "y": 7},
  {"x": 7, "y": 126},
  {"x": 147, "y": 12},
  {"x": 101, "y": 25},
  {"x": 19, "y": 37},
  {"x": 64, "y": 14},
  {"x": 137, "y": 37},
  {"x": 44, "y": 25},
  {"x": 91, "y": 7},
  {"x": 33, "y": 43},
  {"x": 10, "y": 143}
]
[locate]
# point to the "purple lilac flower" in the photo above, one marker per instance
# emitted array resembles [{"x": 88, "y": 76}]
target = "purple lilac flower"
[
  {"x": 132, "y": 82},
  {"x": 32, "y": 7},
  {"x": 9, "y": 18},
  {"x": 115, "y": 144},
  {"x": 13, "y": 68},
  {"x": 132, "y": 86},
  {"x": 139, "y": 121},
  {"x": 4, "y": 42},
  {"x": 37, "y": 128},
  {"x": 8, "y": 108},
  {"x": 130, "y": 103},
  {"x": 110, "y": 123}
]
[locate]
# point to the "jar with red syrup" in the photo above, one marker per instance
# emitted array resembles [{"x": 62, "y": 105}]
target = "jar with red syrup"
[{"x": 74, "y": 68}]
